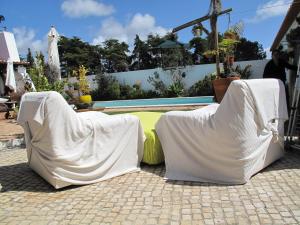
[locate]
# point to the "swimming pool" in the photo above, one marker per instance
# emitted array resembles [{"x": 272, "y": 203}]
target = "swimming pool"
[{"x": 203, "y": 100}]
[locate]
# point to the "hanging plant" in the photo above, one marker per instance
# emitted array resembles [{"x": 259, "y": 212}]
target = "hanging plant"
[{"x": 197, "y": 30}]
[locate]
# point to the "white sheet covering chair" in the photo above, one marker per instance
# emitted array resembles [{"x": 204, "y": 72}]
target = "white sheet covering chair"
[
  {"x": 65, "y": 147},
  {"x": 230, "y": 142}
]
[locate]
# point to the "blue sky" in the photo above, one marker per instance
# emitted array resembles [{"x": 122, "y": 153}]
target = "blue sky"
[{"x": 96, "y": 20}]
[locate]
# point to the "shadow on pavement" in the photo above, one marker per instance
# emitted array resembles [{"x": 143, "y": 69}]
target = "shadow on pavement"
[
  {"x": 291, "y": 160},
  {"x": 20, "y": 177}
]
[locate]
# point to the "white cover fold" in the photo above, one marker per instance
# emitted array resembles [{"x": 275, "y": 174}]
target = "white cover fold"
[
  {"x": 66, "y": 147},
  {"x": 10, "y": 76},
  {"x": 230, "y": 142}
]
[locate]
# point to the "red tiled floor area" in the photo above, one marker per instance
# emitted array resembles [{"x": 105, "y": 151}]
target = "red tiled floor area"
[{"x": 9, "y": 129}]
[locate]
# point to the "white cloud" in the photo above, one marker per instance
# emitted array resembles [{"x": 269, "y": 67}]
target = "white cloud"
[
  {"x": 270, "y": 9},
  {"x": 25, "y": 38},
  {"x": 269, "y": 53},
  {"x": 139, "y": 24},
  {"x": 84, "y": 8}
]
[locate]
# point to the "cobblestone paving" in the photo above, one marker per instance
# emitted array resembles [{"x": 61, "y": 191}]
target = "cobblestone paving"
[{"x": 271, "y": 197}]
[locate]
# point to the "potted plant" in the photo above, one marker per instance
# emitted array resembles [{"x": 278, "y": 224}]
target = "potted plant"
[
  {"x": 227, "y": 48},
  {"x": 85, "y": 99}
]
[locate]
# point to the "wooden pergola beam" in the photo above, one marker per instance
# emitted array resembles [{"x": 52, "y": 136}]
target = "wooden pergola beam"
[{"x": 199, "y": 20}]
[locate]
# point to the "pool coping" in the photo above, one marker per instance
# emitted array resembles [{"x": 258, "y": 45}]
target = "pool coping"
[
  {"x": 154, "y": 108},
  {"x": 151, "y": 99},
  {"x": 149, "y": 106}
]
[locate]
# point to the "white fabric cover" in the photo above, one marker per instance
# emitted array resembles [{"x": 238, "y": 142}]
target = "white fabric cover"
[
  {"x": 3, "y": 100},
  {"x": 66, "y": 147},
  {"x": 10, "y": 76},
  {"x": 8, "y": 47},
  {"x": 21, "y": 78},
  {"x": 230, "y": 142}
]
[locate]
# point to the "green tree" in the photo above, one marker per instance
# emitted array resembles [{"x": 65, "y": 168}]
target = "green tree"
[
  {"x": 141, "y": 58},
  {"x": 114, "y": 56},
  {"x": 153, "y": 41},
  {"x": 30, "y": 58},
  {"x": 249, "y": 50},
  {"x": 40, "y": 56},
  {"x": 168, "y": 57},
  {"x": 73, "y": 52},
  {"x": 108, "y": 87},
  {"x": 176, "y": 56},
  {"x": 38, "y": 77},
  {"x": 200, "y": 45},
  {"x": 2, "y": 18}
]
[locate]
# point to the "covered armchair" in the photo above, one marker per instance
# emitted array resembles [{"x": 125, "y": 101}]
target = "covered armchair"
[
  {"x": 65, "y": 147},
  {"x": 230, "y": 142}
]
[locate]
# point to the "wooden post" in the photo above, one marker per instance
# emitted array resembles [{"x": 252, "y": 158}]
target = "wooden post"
[
  {"x": 213, "y": 17},
  {"x": 213, "y": 24}
]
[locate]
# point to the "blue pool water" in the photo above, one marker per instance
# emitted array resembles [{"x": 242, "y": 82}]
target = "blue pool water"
[{"x": 155, "y": 102}]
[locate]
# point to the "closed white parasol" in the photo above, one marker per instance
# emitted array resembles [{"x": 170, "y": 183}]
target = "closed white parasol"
[{"x": 53, "y": 56}]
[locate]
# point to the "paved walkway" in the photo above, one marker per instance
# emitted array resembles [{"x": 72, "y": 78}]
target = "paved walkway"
[{"x": 271, "y": 197}]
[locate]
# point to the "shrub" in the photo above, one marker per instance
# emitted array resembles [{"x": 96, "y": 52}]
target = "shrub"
[
  {"x": 157, "y": 83},
  {"x": 108, "y": 87},
  {"x": 135, "y": 92},
  {"x": 39, "y": 79},
  {"x": 113, "y": 90},
  {"x": 244, "y": 73},
  {"x": 151, "y": 94},
  {"x": 175, "y": 89},
  {"x": 203, "y": 87},
  {"x": 125, "y": 91}
]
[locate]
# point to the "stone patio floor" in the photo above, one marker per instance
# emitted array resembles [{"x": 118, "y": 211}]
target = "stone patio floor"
[{"x": 271, "y": 197}]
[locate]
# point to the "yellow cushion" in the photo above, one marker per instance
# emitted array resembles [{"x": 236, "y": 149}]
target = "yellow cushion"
[{"x": 153, "y": 153}]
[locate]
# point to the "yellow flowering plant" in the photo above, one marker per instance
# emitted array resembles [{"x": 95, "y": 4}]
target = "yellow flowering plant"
[{"x": 83, "y": 84}]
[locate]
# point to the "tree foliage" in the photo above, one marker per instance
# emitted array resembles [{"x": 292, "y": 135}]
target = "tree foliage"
[
  {"x": 39, "y": 79},
  {"x": 114, "y": 56},
  {"x": 73, "y": 53},
  {"x": 203, "y": 87},
  {"x": 2, "y": 18},
  {"x": 248, "y": 50},
  {"x": 30, "y": 58},
  {"x": 141, "y": 57},
  {"x": 200, "y": 45},
  {"x": 176, "y": 87}
]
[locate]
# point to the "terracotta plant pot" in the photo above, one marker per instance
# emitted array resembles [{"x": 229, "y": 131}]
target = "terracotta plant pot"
[
  {"x": 85, "y": 99},
  {"x": 221, "y": 85}
]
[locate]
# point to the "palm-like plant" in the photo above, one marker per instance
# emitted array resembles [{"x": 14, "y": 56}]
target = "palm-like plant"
[
  {"x": 2, "y": 18},
  {"x": 235, "y": 31}
]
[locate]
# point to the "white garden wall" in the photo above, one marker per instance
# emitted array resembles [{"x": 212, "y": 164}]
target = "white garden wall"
[{"x": 193, "y": 74}]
